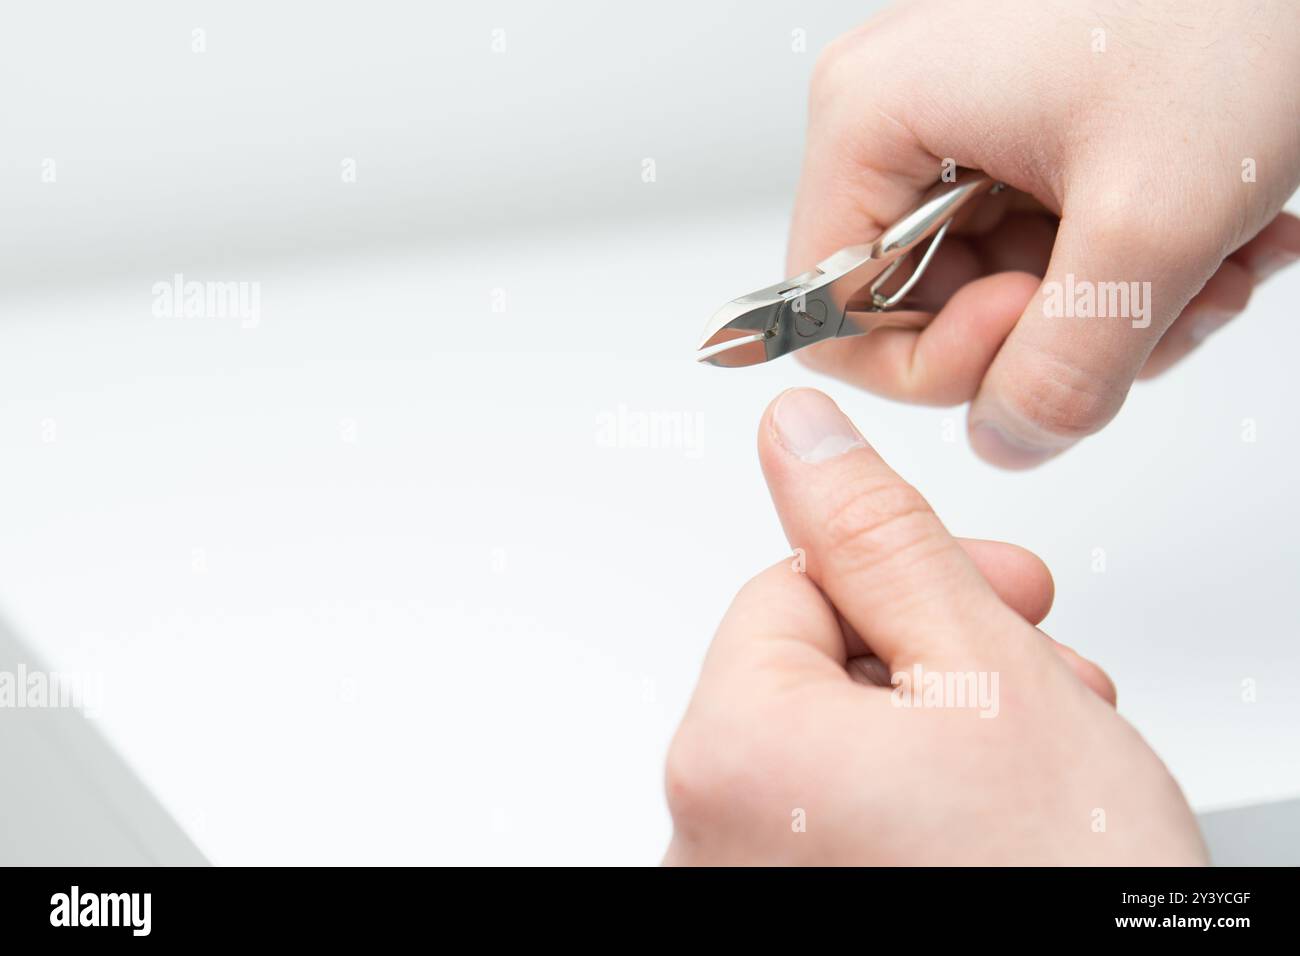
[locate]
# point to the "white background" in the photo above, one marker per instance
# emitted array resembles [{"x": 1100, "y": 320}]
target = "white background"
[{"x": 367, "y": 583}]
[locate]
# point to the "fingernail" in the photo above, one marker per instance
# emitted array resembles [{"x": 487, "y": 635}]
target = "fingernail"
[
  {"x": 993, "y": 444},
  {"x": 811, "y": 427}
]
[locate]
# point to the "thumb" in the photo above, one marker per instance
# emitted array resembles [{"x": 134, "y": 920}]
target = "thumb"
[
  {"x": 873, "y": 545},
  {"x": 1115, "y": 283}
]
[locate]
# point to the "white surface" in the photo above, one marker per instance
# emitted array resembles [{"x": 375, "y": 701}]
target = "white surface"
[
  {"x": 353, "y": 679},
  {"x": 1260, "y": 835},
  {"x": 68, "y": 799},
  {"x": 467, "y": 634}
]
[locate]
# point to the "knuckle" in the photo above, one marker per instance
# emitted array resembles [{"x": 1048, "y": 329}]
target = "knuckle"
[
  {"x": 706, "y": 776},
  {"x": 834, "y": 71},
  {"x": 863, "y": 59},
  {"x": 876, "y": 521},
  {"x": 1131, "y": 223},
  {"x": 1149, "y": 223},
  {"x": 684, "y": 773},
  {"x": 755, "y": 588}
]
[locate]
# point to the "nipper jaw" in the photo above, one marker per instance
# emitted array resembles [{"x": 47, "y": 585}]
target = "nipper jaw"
[{"x": 853, "y": 292}]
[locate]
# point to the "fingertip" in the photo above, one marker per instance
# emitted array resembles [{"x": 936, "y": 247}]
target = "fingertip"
[
  {"x": 1091, "y": 673},
  {"x": 947, "y": 361},
  {"x": 995, "y": 445},
  {"x": 1019, "y": 577},
  {"x": 1038, "y": 591},
  {"x": 1276, "y": 247},
  {"x": 807, "y": 424}
]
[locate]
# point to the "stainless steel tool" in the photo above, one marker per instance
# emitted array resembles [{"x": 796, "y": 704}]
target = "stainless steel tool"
[{"x": 857, "y": 290}]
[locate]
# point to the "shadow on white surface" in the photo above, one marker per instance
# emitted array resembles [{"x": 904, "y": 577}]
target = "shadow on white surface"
[
  {"x": 67, "y": 798},
  {"x": 1264, "y": 835}
]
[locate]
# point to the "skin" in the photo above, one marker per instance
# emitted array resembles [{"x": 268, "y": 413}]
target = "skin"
[
  {"x": 1125, "y": 165},
  {"x": 789, "y": 719}
]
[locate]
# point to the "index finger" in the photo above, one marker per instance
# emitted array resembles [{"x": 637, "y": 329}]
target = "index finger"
[{"x": 779, "y": 629}]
